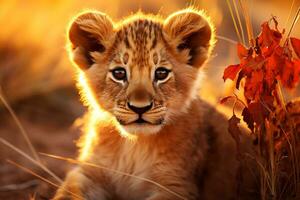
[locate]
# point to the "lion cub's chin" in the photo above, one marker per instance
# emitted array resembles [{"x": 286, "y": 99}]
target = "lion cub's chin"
[{"x": 142, "y": 129}]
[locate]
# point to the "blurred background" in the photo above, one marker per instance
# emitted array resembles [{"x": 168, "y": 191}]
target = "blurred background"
[{"x": 37, "y": 79}]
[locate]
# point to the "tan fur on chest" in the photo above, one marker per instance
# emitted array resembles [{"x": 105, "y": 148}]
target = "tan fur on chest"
[{"x": 135, "y": 158}]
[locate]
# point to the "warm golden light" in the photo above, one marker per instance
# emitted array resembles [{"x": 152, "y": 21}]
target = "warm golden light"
[
  {"x": 87, "y": 142},
  {"x": 96, "y": 114}
]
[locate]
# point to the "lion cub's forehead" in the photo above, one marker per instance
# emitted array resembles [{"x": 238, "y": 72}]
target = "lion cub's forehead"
[
  {"x": 140, "y": 39},
  {"x": 140, "y": 33}
]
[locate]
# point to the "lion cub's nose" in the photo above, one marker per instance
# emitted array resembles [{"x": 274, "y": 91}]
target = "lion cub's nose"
[{"x": 139, "y": 110}]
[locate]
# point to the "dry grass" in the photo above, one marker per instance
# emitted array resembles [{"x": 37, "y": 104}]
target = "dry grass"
[
  {"x": 42, "y": 178},
  {"x": 19, "y": 125}
]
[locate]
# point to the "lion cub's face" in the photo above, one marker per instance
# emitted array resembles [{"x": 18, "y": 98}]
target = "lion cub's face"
[{"x": 143, "y": 70}]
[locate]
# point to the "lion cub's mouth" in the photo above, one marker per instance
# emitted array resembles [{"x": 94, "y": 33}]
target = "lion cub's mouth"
[
  {"x": 140, "y": 125},
  {"x": 149, "y": 122},
  {"x": 140, "y": 121}
]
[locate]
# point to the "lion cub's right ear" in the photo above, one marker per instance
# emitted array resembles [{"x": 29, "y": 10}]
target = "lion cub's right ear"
[
  {"x": 89, "y": 32},
  {"x": 191, "y": 33}
]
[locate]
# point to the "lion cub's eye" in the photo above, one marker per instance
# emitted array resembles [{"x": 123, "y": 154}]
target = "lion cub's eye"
[
  {"x": 161, "y": 73},
  {"x": 119, "y": 73}
]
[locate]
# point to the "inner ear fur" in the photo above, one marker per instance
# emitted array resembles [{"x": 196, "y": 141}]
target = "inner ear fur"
[
  {"x": 89, "y": 32},
  {"x": 191, "y": 34}
]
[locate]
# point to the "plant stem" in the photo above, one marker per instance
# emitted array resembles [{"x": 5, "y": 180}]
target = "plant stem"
[
  {"x": 245, "y": 10},
  {"x": 281, "y": 97},
  {"x": 272, "y": 172},
  {"x": 239, "y": 20},
  {"x": 234, "y": 21},
  {"x": 293, "y": 24},
  {"x": 290, "y": 13}
]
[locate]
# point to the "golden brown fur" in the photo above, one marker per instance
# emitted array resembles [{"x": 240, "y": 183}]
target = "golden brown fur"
[{"x": 180, "y": 142}]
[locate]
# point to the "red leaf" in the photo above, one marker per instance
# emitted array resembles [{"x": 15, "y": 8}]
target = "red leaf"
[
  {"x": 231, "y": 72},
  {"x": 273, "y": 66},
  {"x": 242, "y": 51},
  {"x": 269, "y": 39},
  {"x": 254, "y": 85},
  {"x": 290, "y": 74},
  {"x": 296, "y": 46},
  {"x": 258, "y": 112},
  {"x": 225, "y": 99}
]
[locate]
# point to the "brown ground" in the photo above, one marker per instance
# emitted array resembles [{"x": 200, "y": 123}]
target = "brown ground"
[{"x": 48, "y": 120}]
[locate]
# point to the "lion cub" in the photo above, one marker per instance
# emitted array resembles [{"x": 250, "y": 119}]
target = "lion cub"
[{"x": 140, "y": 78}]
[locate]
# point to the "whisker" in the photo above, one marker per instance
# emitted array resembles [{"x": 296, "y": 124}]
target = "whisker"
[
  {"x": 159, "y": 106},
  {"x": 122, "y": 107},
  {"x": 123, "y": 111},
  {"x": 156, "y": 111},
  {"x": 154, "y": 114}
]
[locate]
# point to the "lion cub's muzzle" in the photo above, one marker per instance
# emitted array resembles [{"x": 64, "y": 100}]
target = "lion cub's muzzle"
[
  {"x": 137, "y": 113},
  {"x": 140, "y": 111},
  {"x": 143, "y": 114}
]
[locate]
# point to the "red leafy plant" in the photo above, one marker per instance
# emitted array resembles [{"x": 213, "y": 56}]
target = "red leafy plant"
[{"x": 268, "y": 63}]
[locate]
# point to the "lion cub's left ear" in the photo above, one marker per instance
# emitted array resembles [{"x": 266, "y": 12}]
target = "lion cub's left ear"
[
  {"x": 191, "y": 34},
  {"x": 90, "y": 32}
]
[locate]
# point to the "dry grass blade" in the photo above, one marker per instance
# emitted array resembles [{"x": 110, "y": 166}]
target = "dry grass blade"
[
  {"x": 282, "y": 100},
  {"x": 293, "y": 157},
  {"x": 247, "y": 18},
  {"x": 114, "y": 171},
  {"x": 262, "y": 167},
  {"x": 42, "y": 178},
  {"x": 6, "y": 143},
  {"x": 20, "y": 186},
  {"x": 294, "y": 23},
  {"x": 226, "y": 39},
  {"x": 234, "y": 21},
  {"x": 290, "y": 13},
  {"x": 239, "y": 20},
  {"x": 18, "y": 123},
  {"x": 32, "y": 197},
  {"x": 272, "y": 166}
]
